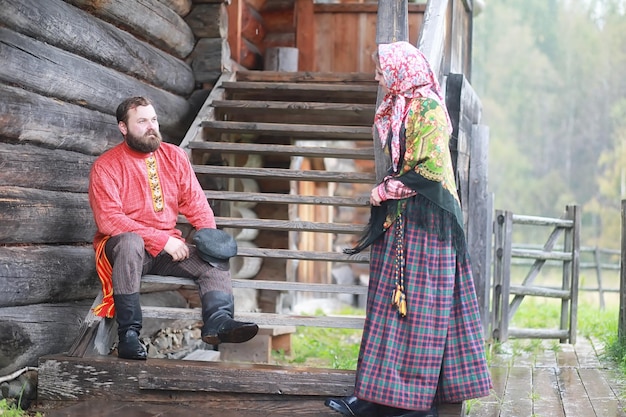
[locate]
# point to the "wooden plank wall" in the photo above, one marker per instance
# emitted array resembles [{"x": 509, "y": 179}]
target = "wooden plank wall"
[
  {"x": 341, "y": 37},
  {"x": 66, "y": 65}
]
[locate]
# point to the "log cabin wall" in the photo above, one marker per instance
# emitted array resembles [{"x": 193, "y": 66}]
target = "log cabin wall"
[{"x": 66, "y": 65}]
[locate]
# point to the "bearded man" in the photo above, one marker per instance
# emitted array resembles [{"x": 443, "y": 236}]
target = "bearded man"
[{"x": 137, "y": 189}]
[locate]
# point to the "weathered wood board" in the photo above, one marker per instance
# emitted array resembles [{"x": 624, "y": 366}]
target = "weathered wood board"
[
  {"x": 34, "y": 216},
  {"x": 27, "y": 117},
  {"x": 99, "y": 41},
  {"x": 53, "y": 72},
  {"x": 47, "y": 274},
  {"x": 26, "y": 332},
  {"x": 29, "y": 166},
  {"x": 148, "y": 19},
  {"x": 235, "y": 389}
]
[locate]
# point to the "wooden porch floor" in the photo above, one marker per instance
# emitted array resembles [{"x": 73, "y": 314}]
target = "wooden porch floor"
[
  {"x": 531, "y": 379},
  {"x": 551, "y": 380}
]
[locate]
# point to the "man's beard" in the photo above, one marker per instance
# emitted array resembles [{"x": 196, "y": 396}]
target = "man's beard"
[{"x": 147, "y": 143}]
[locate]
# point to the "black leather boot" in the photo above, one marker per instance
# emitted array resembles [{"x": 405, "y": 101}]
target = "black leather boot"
[
  {"x": 218, "y": 309},
  {"x": 128, "y": 315},
  {"x": 352, "y": 406}
]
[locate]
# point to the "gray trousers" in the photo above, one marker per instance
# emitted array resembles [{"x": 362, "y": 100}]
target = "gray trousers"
[{"x": 131, "y": 261}]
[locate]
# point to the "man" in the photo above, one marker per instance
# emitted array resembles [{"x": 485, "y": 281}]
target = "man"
[{"x": 136, "y": 191}]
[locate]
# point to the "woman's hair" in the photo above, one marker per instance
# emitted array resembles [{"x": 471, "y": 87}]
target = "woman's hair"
[{"x": 130, "y": 103}]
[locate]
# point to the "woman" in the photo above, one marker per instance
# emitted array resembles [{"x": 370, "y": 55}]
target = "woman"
[{"x": 422, "y": 341}]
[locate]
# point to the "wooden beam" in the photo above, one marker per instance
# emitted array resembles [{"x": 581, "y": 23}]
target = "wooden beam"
[
  {"x": 208, "y": 20},
  {"x": 39, "y": 67},
  {"x": 41, "y": 216},
  {"x": 305, "y": 35},
  {"x": 433, "y": 34},
  {"x": 32, "y": 118},
  {"x": 148, "y": 19},
  {"x": 29, "y": 166},
  {"x": 393, "y": 21},
  {"x": 47, "y": 22},
  {"x": 234, "y": 29}
]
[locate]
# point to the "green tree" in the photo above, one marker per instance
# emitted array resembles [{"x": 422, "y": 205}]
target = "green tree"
[{"x": 549, "y": 76}]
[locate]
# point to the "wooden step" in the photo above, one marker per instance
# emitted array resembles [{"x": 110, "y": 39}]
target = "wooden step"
[
  {"x": 347, "y": 114},
  {"x": 285, "y": 174},
  {"x": 308, "y": 77},
  {"x": 213, "y": 130},
  {"x": 332, "y": 93},
  {"x": 287, "y": 198},
  {"x": 288, "y": 225},
  {"x": 362, "y": 257},
  {"x": 189, "y": 381},
  {"x": 262, "y": 285},
  {"x": 361, "y": 153},
  {"x": 262, "y": 319}
]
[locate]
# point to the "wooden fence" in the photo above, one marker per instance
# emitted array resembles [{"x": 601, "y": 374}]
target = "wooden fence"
[
  {"x": 600, "y": 261},
  {"x": 565, "y": 229}
]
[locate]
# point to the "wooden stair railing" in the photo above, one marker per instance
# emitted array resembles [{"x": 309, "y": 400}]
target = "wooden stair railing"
[{"x": 277, "y": 118}]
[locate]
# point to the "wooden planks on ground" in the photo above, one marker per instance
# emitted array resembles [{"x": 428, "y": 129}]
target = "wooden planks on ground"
[
  {"x": 107, "y": 384},
  {"x": 551, "y": 381}
]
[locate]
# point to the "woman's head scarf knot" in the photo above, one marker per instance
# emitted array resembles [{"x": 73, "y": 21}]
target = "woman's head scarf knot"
[{"x": 407, "y": 75}]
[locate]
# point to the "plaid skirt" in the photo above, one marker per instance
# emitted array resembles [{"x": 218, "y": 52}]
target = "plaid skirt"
[{"x": 435, "y": 354}]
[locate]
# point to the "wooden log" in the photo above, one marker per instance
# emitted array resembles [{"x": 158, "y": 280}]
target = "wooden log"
[
  {"x": 47, "y": 274},
  {"x": 252, "y": 28},
  {"x": 279, "y": 39},
  {"x": 29, "y": 117},
  {"x": 209, "y": 21},
  {"x": 250, "y": 57},
  {"x": 59, "y": 24},
  {"x": 182, "y": 7},
  {"x": 147, "y": 19},
  {"x": 40, "y": 216},
  {"x": 134, "y": 380},
  {"x": 234, "y": 28},
  {"x": 53, "y": 72},
  {"x": 29, "y": 332},
  {"x": 279, "y": 21},
  {"x": 209, "y": 59},
  {"x": 51, "y": 169}
]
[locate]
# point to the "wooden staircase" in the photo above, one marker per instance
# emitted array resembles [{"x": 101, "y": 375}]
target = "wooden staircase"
[{"x": 289, "y": 123}]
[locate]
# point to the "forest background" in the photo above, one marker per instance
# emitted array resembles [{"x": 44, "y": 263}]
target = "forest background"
[{"x": 550, "y": 75}]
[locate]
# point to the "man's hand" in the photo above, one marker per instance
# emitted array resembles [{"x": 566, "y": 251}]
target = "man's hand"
[{"x": 177, "y": 249}]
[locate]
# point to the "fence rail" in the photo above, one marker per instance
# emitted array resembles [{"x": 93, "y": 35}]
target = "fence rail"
[{"x": 594, "y": 258}]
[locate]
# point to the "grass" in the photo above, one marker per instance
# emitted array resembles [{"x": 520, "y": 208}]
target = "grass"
[
  {"x": 324, "y": 347},
  {"x": 339, "y": 348},
  {"x": 9, "y": 409}
]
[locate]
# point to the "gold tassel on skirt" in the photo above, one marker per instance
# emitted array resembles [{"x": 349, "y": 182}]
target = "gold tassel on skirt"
[{"x": 398, "y": 298}]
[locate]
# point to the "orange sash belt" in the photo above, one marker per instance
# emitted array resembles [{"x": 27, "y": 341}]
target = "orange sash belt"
[{"x": 105, "y": 272}]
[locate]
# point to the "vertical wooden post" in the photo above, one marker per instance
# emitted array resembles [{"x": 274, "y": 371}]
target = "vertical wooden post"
[
  {"x": 234, "y": 29},
  {"x": 621, "y": 328},
  {"x": 571, "y": 276},
  {"x": 305, "y": 35},
  {"x": 502, "y": 274},
  {"x": 392, "y": 25},
  {"x": 480, "y": 228},
  {"x": 598, "y": 258}
]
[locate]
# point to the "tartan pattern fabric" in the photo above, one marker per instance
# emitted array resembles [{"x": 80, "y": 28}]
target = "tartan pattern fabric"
[{"x": 436, "y": 353}]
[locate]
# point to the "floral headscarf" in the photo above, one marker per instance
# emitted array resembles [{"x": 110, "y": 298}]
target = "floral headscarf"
[{"x": 407, "y": 75}]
